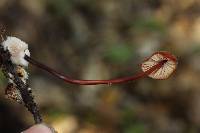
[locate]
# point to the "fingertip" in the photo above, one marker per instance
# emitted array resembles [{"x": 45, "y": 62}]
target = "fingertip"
[{"x": 40, "y": 128}]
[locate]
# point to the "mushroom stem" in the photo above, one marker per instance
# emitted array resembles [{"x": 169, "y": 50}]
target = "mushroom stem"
[{"x": 94, "y": 82}]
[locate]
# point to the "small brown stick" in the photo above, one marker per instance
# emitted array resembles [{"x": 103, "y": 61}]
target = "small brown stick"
[{"x": 9, "y": 68}]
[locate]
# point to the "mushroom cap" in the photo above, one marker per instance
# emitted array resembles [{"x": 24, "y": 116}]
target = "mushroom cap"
[{"x": 168, "y": 65}]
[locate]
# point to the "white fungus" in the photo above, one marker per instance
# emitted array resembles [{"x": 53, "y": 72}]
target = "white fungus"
[{"x": 18, "y": 49}]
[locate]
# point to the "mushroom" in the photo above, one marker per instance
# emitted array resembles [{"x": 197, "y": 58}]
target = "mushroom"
[{"x": 159, "y": 66}]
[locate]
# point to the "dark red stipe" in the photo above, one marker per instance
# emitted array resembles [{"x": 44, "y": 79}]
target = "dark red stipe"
[{"x": 94, "y": 82}]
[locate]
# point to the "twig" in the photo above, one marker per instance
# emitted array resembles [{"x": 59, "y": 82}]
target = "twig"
[{"x": 9, "y": 68}]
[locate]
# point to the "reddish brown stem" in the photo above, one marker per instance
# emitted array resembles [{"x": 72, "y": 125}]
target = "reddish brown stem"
[{"x": 94, "y": 82}]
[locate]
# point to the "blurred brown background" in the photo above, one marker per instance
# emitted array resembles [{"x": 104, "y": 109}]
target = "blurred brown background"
[{"x": 101, "y": 39}]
